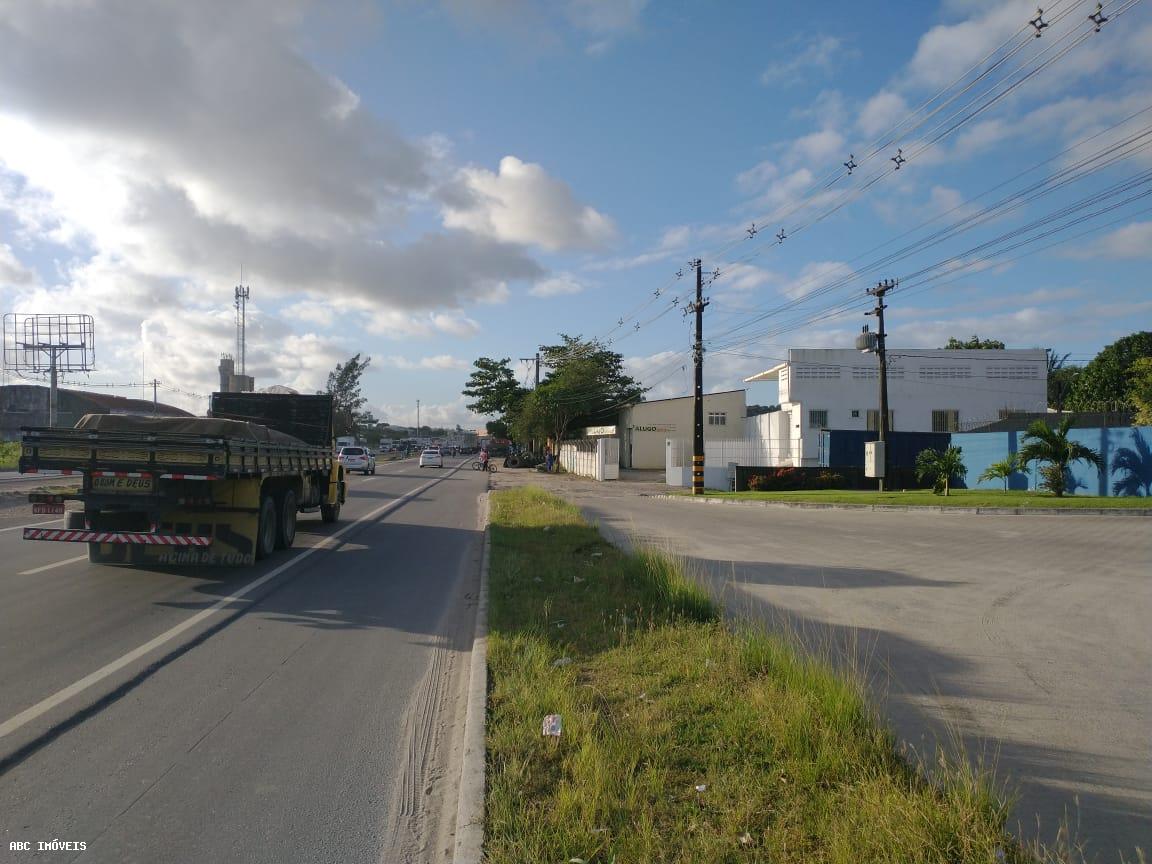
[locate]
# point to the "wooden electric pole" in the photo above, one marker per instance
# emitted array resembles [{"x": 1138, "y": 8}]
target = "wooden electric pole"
[{"x": 698, "y": 402}]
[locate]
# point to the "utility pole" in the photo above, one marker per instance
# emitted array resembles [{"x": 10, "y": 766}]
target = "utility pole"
[
  {"x": 878, "y": 292},
  {"x": 698, "y": 400},
  {"x": 155, "y": 406},
  {"x": 529, "y": 360},
  {"x": 417, "y": 419}
]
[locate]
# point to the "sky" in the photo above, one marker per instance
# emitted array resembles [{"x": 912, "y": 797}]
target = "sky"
[{"x": 427, "y": 182}]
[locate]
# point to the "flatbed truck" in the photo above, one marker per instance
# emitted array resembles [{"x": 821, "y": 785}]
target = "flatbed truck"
[{"x": 218, "y": 490}]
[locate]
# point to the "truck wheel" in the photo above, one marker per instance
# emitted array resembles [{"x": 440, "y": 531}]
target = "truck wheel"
[
  {"x": 266, "y": 527},
  {"x": 329, "y": 512},
  {"x": 286, "y": 524}
]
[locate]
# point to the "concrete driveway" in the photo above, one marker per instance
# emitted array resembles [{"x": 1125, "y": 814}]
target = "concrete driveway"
[{"x": 1028, "y": 637}]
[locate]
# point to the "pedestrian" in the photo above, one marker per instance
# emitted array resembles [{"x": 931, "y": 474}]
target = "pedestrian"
[{"x": 548, "y": 459}]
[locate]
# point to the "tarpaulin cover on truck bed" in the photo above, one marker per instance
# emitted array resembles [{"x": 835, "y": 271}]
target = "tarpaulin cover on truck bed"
[{"x": 215, "y": 427}]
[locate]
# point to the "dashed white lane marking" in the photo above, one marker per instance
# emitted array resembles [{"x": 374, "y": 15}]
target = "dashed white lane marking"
[
  {"x": 45, "y": 705},
  {"x": 36, "y": 570}
]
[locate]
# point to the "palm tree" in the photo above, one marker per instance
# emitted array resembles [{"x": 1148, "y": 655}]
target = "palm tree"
[
  {"x": 1138, "y": 463},
  {"x": 941, "y": 466},
  {"x": 1052, "y": 448},
  {"x": 1002, "y": 470}
]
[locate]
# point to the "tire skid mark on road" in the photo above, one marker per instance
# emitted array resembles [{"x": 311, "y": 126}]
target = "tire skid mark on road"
[{"x": 425, "y": 726}]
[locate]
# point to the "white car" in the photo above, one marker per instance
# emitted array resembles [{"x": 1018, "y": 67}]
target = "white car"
[
  {"x": 431, "y": 458},
  {"x": 357, "y": 459}
]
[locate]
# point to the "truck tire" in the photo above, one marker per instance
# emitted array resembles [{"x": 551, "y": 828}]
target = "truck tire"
[
  {"x": 329, "y": 512},
  {"x": 286, "y": 523},
  {"x": 266, "y": 527}
]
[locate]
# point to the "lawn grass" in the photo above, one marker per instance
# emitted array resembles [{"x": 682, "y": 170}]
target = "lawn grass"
[
  {"x": 683, "y": 739},
  {"x": 9, "y": 455},
  {"x": 956, "y": 498}
]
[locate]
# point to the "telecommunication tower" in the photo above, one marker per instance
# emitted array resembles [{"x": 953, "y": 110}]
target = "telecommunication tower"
[{"x": 241, "y": 303}]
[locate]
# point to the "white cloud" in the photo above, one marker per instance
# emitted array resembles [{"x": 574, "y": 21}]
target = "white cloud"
[
  {"x": 125, "y": 139},
  {"x": 815, "y": 276},
  {"x": 605, "y": 16},
  {"x": 672, "y": 242},
  {"x": 947, "y": 50},
  {"x": 12, "y": 270},
  {"x": 819, "y": 53},
  {"x": 494, "y": 294},
  {"x": 818, "y": 147},
  {"x": 439, "y": 362},
  {"x": 881, "y": 112},
  {"x": 521, "y": 203},
  {"x": 1132, "y": 241},
  {"x": 563, "y": 283}
]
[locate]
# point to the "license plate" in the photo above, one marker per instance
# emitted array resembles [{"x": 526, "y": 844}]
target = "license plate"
[
  {"x": 123, "y": 485},
  {"x": 47, "y": 509}
]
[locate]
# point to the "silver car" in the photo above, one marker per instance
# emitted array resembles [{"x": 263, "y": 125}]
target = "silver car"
[{"x": 431, "y": 458}]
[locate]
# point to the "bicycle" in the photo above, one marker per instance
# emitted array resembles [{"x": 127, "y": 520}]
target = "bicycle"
[{"x": 478, "y": 465}]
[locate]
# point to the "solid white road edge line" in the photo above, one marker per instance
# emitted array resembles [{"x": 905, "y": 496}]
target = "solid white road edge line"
[
  {"x": 36, "y": 570},
  {"x": 33, "y": 525},
  {"x": 29, "y": 714},
  {"x": 470, "y": 800}
]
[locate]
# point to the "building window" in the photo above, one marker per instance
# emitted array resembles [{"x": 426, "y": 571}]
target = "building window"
[
  {"x": 717, "y": 418},
  {"x": 946, "y": 420},
  {"x": 823, "y": 372},
  {"x": 930, "y": 373},
  {"x": 818, "y": 419},
  {"x": 1017, "y": 372},
  {"x": 874, "y": 420}
]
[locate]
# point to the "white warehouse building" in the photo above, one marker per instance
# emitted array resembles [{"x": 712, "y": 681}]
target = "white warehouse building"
[{"x": 929, "y": 390}]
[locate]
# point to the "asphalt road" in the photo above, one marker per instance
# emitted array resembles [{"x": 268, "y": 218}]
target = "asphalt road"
[
  {"x": 1027, "y": 636},
  {"x": 315, "y": 718}
]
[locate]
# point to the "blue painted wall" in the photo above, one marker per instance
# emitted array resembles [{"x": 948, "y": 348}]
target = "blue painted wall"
[{"x": 1118, "y": 446}]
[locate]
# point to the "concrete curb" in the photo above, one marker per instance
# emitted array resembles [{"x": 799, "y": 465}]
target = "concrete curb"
[
  {"x": 1130, "y": 513},
  {"x": 470, "y": 802}
]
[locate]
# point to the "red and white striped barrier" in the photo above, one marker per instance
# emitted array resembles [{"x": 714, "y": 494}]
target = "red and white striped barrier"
[
  {"x": 140, "y": 538},
  {"x": 134, "y": 474},
  {"x": 189, "y": 477}
]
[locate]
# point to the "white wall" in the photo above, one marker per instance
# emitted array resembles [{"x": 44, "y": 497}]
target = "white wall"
[
  {"x": 976, "y": 383},
  {"x": 598, "y": 458}
]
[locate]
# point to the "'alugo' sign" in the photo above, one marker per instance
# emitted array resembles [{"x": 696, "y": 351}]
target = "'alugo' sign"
[{"x": 656, "y": 427}]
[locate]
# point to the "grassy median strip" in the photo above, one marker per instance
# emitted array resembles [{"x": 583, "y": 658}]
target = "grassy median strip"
[
  {"x": 683, "y": 740},
  {"x": 956, "y": 498}
]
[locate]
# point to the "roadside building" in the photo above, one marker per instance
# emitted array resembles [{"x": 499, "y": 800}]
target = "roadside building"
[
  {"x": 644, "y": 427},
  {"x": 27, "y": 405},
  {"x": 929, "y": 390}
]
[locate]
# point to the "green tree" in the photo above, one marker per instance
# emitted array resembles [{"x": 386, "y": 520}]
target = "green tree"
[
  {"x": 1140, "y": 390},
  {"x": 1061, "y": 379},
  {"x": 1105, "y": 381},
  {"x": 585, "y": 384},
  {"x": 974, "y": 342},
  {"x": 1002, "y": 470},
  {"x": 940, "y": 467},
  {"x": 1052, "y": 448},
  {"x": 493, "y": 388},
  {"x": 497, "y": 429},
  {"x": 347, "y": 400}
]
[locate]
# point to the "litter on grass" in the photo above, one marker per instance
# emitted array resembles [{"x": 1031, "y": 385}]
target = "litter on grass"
[
  {"x": 552, "y": 726},
  {"x": 561, "y": 661}
]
